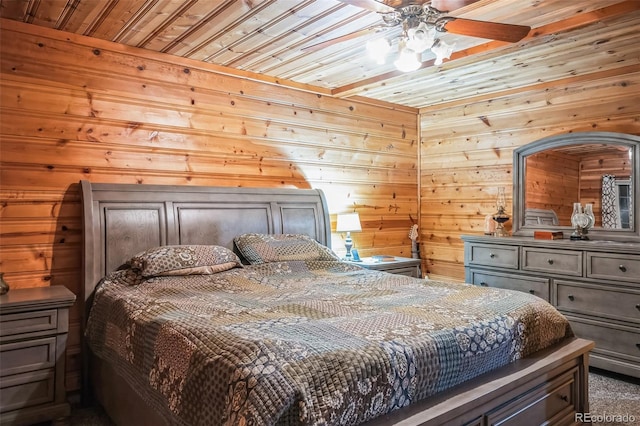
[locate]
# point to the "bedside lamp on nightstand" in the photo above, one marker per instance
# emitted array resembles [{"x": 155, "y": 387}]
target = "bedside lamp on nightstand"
[{"x": 349, "y": 222}]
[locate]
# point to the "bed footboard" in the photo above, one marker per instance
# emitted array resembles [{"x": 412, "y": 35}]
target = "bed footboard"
[{"x": 552, "y": 385}]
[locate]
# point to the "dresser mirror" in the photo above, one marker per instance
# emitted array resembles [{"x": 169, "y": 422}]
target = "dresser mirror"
[{"x": 598, "y": 168}]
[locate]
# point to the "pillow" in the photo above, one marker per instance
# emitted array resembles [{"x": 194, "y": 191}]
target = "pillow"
[
  {"x": 184, "y": 260},
  {"x": 264, "y": 248}
]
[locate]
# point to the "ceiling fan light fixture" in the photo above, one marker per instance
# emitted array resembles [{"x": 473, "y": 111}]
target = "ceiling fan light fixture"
[
  {"x": 407, "y": 59},
  {"x": 442, "y": 51},
  {"x": 421, "y": 37},
  {"x": 378, "y": 49},
  {"x": 421, "y": 24}
]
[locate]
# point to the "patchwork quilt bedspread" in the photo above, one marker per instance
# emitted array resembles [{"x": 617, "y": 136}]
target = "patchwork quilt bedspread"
[{"x": 306, "y": 342}]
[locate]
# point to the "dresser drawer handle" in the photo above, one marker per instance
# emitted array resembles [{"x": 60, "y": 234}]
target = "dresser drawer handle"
[
  {"x": 638, "y": 345},
  {"x": 532, "y": 291},
  {"x": 622, "y": 268},
  {"x": 491, "y": 255},
  {"x": 483, "y": 284},
  {"x": 565, "y": 398},
  {"x": 571, "y": 297},
  {"x": 550, "y": 261},
  {"x": 638, "y": 306}
]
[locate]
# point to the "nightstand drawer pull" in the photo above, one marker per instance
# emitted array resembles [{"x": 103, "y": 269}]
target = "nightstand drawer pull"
[
  {"x": 484, "y": 284},
  {"x": 638, "y": 306},
  {"x": 565, "y": 398},
  {"x": 491, "y": 255},
  {"x": 532, "y": 291},
  {"x": 571, "y": 297},
  {"x": 622, "y": 268},
  {"x": 550, "y": 261},
  {"x": 638, "y": 345}
]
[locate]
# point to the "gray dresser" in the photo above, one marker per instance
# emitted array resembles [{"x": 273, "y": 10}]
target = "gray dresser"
[{"x": 596, "y": 284}]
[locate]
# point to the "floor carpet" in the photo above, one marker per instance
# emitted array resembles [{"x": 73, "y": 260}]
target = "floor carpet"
[{"x": 614, "y": 399}]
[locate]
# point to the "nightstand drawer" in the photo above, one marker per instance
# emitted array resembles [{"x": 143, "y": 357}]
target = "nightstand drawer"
[
  {"x": 28, "y": 322},
  {"x": 565, "y": 262},
  {"x": 604, "y": 301},
  {"x": 614, "y": 266},
  {"x": 502, "y": 256},
  {"x": 408, "y": 271},
  {"x": 27, "y": 355},
  {"x": 533, "y": 285},
  {"x": 27, "y": 390},
  {"x": 397, "y": 265}
]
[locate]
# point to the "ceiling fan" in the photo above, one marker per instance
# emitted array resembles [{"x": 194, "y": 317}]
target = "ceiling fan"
[{"x": 420, "y": 21}]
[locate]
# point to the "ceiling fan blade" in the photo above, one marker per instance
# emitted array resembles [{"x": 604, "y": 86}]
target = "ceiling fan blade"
[
  {"x": 490, "y": 30},
  {"x": 350, "y": 36}
]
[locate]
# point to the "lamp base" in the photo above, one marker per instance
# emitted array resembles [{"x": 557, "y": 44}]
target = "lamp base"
[
  {"x": 500, "y": 218},
  {"x": 578, "y": 238},
  {"x": 578, "y": 235},
  {"x": 348, "y": 243}
]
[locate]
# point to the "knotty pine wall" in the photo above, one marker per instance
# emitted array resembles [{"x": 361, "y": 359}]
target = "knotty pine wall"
[
  {"x": 77, "y": 108},
  {"x": 466, "y": 148}
]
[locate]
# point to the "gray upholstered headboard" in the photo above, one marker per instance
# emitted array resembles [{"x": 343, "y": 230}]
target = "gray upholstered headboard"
[{"x": 121, "y": 220}]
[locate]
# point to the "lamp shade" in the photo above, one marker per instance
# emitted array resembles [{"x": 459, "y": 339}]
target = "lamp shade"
[{"x": 349, "y": 222}]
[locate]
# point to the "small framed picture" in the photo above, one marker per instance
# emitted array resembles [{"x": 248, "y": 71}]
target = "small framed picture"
[{"x": 355, "y": 256}]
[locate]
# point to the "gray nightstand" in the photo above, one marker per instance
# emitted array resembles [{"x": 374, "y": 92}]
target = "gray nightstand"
[
  {"x": 400, "y": 265},
  {"x": 34, "y": 323}
]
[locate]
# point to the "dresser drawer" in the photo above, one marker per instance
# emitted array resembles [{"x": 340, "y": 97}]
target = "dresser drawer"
[
  {"x": 27, "y": 390},
  {"x": 614, "y": 266},
  {"x": 27, "y": 355},
  {"x": 28, "y": 322},
  {"x": 496, "y": 255},
  {"x": 564, "y": 262},
  {"x": 611, "y": 339},
  {"x": 607, "y": 301},
  {"x": 532, "y": 285}
]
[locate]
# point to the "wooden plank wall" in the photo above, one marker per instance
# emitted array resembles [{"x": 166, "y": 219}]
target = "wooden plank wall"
[
  {"x": 76, "y": 108},
  {"x": 466, "y": 149}
]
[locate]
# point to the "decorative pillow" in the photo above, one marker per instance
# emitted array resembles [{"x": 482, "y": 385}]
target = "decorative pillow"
[
  {"x": 264, "y": 248},
  {"x": 184, "y": 260}
]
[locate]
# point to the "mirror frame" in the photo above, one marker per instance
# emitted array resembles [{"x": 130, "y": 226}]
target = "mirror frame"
[{"x": 609, "y": 138}]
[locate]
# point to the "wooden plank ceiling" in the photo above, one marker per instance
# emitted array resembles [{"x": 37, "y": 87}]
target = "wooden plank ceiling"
[{"x": 264, "y": 39}]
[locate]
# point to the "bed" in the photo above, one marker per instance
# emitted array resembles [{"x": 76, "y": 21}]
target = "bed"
[{"x": 277, "y": 330}]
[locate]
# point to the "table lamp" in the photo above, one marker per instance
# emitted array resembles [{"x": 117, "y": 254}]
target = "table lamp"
[{"x": 348, "y": 222}]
